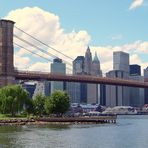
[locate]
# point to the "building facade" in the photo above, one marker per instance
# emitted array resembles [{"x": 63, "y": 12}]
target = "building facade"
[
  {"x": 94, "y": 90},
  {"x": 121, "y": 61},
  {"x": 57, "y": 67},
  {"x": 78, "y": 91},
  {"x": 146, "y": 89},
  {"x": 42, "y": 87},
  {"x": 84, "y": 92},
  {"x": 88, "y": 62},
  {"x": 118, "y": 95},
  {"x": 135, "y": 70},
  {"x": 136, "y": 94}
]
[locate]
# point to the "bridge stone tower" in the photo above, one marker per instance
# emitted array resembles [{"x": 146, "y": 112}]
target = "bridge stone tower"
[{"x": 6, "y": 53}]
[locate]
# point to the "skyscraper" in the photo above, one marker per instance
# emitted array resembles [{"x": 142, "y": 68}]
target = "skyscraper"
[
  {"x": 118, "y": 95},
  {"x": 146, "y": 73},
  {"x": 77, "y": 91},
  {"x": 85, "y": 92},
  {"x": 57, "y": 67},
  {"x": 135, "y": 70},
  {"x": 92, "y": 68},
  {"x": 146, "y": 89},
  {"x": 136, "y": 94},
  {"x": 121, "y": 61},
  {"x": 88, "y": 62},
  {"x": 78, "y": 65},
  {"x": 96, "y": 71}
]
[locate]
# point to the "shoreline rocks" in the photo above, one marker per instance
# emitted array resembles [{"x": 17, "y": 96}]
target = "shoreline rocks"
[{"x": 56, "y": 121}]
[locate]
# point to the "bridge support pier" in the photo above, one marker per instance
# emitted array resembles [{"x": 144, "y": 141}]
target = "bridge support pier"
[
  {"x": 6, "y": 80},
  {"x": 6, "y": 53}
]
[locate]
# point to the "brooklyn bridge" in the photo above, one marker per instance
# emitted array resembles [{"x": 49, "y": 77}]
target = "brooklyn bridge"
[{"x": 8, "y": 74}]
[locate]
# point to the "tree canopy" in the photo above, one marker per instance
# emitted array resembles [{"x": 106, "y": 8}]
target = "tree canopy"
[
  {"x": 38, "y": 103},
  {"x": 58, "y": 103},
  {"x": 12, "y": 99}
]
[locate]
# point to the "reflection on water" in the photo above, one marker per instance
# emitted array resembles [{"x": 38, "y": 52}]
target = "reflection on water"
[{"x": 130, "y": 131}]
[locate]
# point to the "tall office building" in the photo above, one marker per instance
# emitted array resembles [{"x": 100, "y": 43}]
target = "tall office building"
[
  {"x": 135, "y": 70},
  {"x": 121, "y": 61},
  {"x": 77, "y": 91},
  {"x": 146, "y": 89},
  {"x": 88, "y": 62},
  {"x": 58, "y": 67},
  {"x": 146, "y": 73},
  {"x": 93, "y": 90},
  {"x": 96, "y": 70},
  {"x": 92, "y": 67},
  {"x": 136, "y": 94},
  {"x": 84, "y": 92},
  {"x": 78, "y": 65},
  {"x": 118, "y": 95}
]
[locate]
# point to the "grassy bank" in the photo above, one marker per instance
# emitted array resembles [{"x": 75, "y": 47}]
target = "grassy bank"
[{"x": 8, "y": 116}]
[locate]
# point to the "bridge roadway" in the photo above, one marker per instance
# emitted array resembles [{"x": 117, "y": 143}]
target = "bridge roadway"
[{"x": 29, "y": 75}]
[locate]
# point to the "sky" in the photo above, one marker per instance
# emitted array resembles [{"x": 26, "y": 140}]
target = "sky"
[{"x": 70, "y": 26}]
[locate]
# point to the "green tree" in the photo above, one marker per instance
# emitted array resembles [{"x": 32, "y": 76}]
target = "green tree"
[
  {"x": 12, "y": 99},
  {"x": 58, "y": 103},
  {"x": 29, "y": 108},
  {"x": 38, "y": 103}
]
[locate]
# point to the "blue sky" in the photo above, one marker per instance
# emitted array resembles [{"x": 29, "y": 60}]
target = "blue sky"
[
  {"x": 103, "y": 19},
  {"x": 108, "y": 22}
]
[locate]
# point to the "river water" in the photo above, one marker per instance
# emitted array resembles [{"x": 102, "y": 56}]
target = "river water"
[{"x": 128, "y": 132}]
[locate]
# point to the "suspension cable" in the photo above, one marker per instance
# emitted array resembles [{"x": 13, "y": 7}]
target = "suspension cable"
[
  {"x": 43, "y": 43},
  {"x": 37, "y": 54}
]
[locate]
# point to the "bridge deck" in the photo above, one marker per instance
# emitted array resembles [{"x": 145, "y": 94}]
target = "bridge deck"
[{"x": 26, "y": 75}]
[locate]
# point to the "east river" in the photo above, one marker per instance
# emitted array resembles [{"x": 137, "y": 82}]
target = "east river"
[{"x": 128, "y": 132}]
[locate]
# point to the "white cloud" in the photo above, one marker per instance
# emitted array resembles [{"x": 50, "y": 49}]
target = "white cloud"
[
  {"x": 105, "y": 54},
  {"x": 21, "y": 62},
  {"x": 40, "y": 66},
  {"x": 135, "y": 4},
  {"x": 46, "y": 27}
]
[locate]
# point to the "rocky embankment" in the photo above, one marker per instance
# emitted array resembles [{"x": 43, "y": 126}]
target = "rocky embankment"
[
  {"x": 59, "y": 120},
  {"x": 16, "y": 121}
]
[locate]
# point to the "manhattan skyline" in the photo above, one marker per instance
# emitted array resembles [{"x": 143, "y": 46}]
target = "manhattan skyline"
[{"x": 71, "y": 26}]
